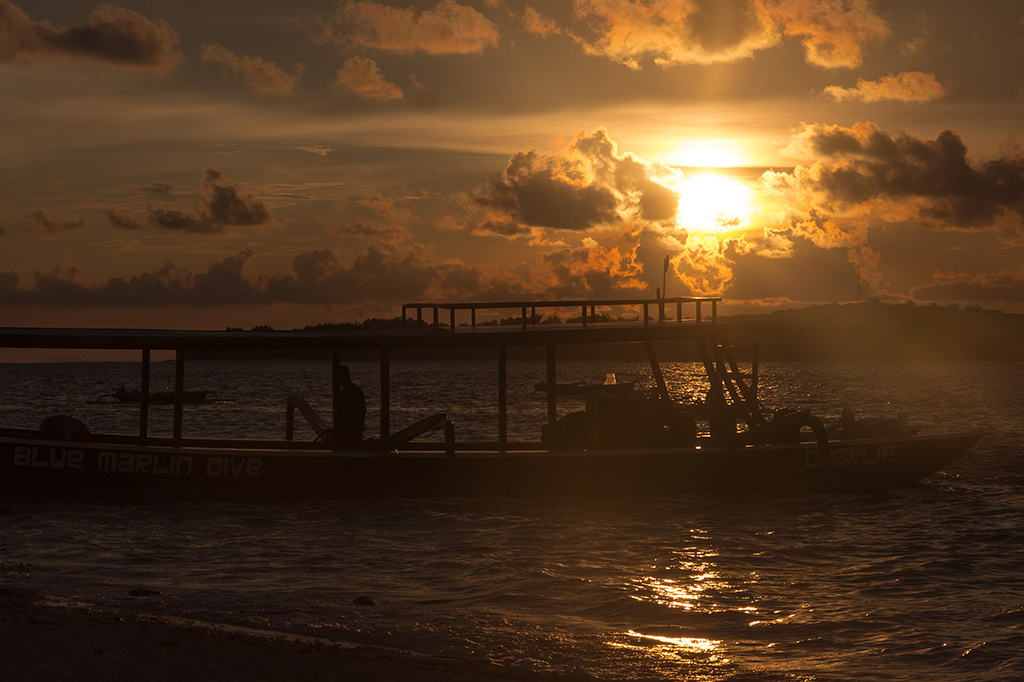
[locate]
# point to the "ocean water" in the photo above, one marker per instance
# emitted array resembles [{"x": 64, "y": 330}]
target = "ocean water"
[{"x": 925, "y": 583}]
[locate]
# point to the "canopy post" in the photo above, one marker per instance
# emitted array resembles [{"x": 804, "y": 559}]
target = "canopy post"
[
  {"x": 552, "y": 387},
  {"x": 385, "y": 392},
  {"x": 144, "y": 405},
  {"x": 502, "y": 398},
  {"x": 179, "y": 393},
  {"x": 336, "y": 415}
]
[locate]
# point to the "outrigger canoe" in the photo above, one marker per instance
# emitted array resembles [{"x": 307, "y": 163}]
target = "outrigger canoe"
[{"x": 639, "y": 444}]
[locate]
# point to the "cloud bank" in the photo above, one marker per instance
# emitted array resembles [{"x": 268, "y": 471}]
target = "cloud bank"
[{"x": 220, "y": 206}]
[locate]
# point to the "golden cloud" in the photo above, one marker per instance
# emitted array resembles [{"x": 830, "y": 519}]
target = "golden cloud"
[
  {"x": 909, "y": 86},
  {"x": 258, "y": 74}
]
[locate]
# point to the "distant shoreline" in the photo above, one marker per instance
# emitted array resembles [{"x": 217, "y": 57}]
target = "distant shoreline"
[{"x": 870, "y": 331}]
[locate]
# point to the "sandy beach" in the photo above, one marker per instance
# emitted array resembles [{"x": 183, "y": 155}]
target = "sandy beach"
[{"x": 44, "y": 642}]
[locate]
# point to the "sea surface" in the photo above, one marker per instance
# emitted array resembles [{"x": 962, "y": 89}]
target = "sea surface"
[{"x": 925, "y": 583}]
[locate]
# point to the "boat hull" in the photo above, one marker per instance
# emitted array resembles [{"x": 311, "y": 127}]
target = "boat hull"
[{"x": 98, "y": 471}]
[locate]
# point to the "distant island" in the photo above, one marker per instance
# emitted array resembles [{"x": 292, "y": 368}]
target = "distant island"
[{"x": 871, "y": 330}]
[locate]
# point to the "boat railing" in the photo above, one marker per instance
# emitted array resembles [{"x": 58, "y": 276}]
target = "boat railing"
[{"x": 588, "y": 311}]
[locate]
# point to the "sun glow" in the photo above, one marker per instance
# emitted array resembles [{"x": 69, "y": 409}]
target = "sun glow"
[
  {"x": 713, "y": 203},
  {"x": 707, "y": 153}
]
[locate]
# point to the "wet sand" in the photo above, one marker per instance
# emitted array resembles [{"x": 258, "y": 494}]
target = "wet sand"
[{"x": 52, "y": 643}]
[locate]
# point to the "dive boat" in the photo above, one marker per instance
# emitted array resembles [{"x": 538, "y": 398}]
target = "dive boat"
[{"x": 642, "y": 443}]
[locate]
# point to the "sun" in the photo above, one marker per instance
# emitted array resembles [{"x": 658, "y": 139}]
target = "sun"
[{"x": 713, "y": 203}]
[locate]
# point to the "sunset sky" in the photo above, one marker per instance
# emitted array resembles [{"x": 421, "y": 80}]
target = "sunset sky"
[{"x": 239, "y": 163}]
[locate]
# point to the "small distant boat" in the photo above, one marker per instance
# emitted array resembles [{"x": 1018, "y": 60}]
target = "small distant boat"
[
  {"x": 610, "y": 387},
  {"x": 122, "y": 395}
]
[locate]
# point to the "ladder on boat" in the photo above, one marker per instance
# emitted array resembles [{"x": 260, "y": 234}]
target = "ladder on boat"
[{"x": 730, "y": 388}]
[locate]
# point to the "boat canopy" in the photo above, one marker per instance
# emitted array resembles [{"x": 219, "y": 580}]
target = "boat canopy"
[{"x": 463, "y": 325}]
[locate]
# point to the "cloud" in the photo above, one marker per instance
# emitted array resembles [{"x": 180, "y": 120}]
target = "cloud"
[
  {"x": 318, "y": 150},
  {"x": 688, "y": 32},
  {"x": 39, "y": 222},
  {"x": 549, "y": 192},
  {"x": 538, "y": 24},
  {"x": 123, "y": 221},
  {"x": 589, "y": 186},
  {"x": 361, "y": 77},
  {"x": 259, "y": 75},
  {"x": 897, "y": 177},
  {"x": 910, "y": 86},
  {"x": 593, "y": 271},
  {"x": 997, "y": 287},
  {"x": 448, "y": 28},
  {"x": 386, "y": 235},
  {"x": 220, "y": 206},
  {"x": 157, "y": 188},
  {"x": 112, "y": 35},
  {"x": 834, "y": 32},
  {"x": 385, "y": 226}
]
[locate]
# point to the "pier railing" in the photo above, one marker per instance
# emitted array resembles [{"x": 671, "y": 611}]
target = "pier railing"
[{"x": 588, "y": 311}]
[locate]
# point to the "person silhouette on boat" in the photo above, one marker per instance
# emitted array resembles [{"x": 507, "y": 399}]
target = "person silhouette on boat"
[{"x": 351, "y": 412}]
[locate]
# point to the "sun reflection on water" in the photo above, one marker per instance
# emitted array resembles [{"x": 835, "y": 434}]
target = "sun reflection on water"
[
  {"x": 688, "y": 650},
  {"x": 693, "y": 644}
]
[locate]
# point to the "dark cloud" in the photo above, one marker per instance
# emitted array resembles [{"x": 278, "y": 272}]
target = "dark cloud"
[
  {"x": 549, "y": 192},
  {"x": 39, "y": 222},
  {"x": 318, "y": 277},
  {"x": 502, "y": 228},
  {"x": 220, "y": 206},
  {"x": 371, "y": 232},
  {"x": 123, "y": 221},
  {"x": 590, "y": 186},
  {"x": 447, "y": 28},
  {"x": 157, "y": 188},
  {"x": 9, "y": 290},
  {"x": 862, "y": 165},
  {"x": 807, "y": 273},
  {"x": 113, "y": 35}
]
